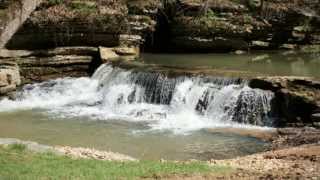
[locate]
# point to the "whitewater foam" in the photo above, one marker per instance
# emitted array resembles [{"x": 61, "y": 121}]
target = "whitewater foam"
[{"x": 180, "y": 104}]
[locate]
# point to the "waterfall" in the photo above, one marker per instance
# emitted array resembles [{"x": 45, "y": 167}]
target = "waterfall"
[{"x": 180, "y": 104}]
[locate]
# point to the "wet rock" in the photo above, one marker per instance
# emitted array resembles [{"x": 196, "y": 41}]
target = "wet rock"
[{"x": 297, "y": 98}]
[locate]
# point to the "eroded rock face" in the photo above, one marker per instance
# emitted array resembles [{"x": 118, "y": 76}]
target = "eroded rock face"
[
  {"x": 257, "y": 24},
  {"x": 297, "y": 98},
  {"x": 12, "y": 16},
  {"x": 9, "y": 77},
  {"x": 86, "y": 23},
  {"x": 193, "y": 25},
  {"x": 41, "y": 65}
]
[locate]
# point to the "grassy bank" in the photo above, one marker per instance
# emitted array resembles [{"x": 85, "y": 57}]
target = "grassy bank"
[{"x": 18, "y": 163}]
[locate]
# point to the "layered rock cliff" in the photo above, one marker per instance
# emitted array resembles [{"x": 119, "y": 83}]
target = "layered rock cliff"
[{"x": 175, "y": 25}]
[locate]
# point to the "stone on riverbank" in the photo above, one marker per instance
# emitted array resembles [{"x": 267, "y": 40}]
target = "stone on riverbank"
[{"x": 9, "y": 76}]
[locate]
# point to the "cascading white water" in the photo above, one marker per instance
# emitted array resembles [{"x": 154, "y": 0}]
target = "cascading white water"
[{"x": 180, "y": 104}]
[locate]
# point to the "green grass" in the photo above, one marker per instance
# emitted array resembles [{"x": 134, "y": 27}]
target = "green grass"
[{"x": 18, "y": 163}]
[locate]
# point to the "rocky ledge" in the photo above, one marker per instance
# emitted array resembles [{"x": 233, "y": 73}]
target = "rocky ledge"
[
  {"x": 297, "y": 99},
  {"x": 176, "y": 25},
  {"x": 28, "y": 66}
]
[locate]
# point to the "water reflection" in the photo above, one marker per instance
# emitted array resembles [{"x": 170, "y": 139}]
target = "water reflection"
[{"x": 276, "y": 63}]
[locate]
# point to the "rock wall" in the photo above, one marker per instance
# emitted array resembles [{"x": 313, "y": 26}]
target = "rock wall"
[
  {"x": 86, "y": 23},
  {"x": 41, "y": 65},
  {"x": 176, "y": 25},
  {"x": 13, "y": 15},
  {"x": 228, "y": 25}
]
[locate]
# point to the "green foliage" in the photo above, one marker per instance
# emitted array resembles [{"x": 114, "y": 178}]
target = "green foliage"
[
  {"x": 83, "y": 7},
  {"x": 17, "y": 147},
  {"x": 247, "y": 19},
  {"x": 55, "y": 2},
  {"x": 27, "y": 165},
  {"x": 210, "y": 14}
]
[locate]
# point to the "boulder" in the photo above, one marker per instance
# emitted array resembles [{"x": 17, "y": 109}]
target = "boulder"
[
  {"x": 118, "y": 53},
  {"x": 107, "y": 54},
  {"x": 9, "y": 76}
]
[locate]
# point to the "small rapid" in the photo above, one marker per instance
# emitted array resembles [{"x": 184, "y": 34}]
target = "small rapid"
[{"x": 179, "y": 104}]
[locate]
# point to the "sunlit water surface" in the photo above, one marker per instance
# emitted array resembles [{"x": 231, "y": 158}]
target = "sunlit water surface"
[{"x": 133, "y": 139}]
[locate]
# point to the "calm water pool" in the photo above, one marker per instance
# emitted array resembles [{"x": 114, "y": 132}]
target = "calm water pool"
[
  {"x": 129, "y": 138},
  {"x": 269, "y": 64}
]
